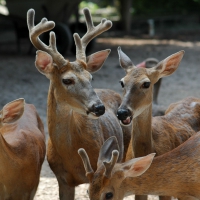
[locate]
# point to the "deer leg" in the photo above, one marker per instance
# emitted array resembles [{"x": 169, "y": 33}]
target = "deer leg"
[
  {"x": 141, "y": 197},
  {"x": 164, "y": 198},
  {"x": 32, "y": 194},
  {"x": 65, "y": 192}
]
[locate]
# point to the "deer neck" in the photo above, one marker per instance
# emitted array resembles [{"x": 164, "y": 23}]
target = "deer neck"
[
  {"x": 64, "y": 124},
  {"x": 160, "y": 179},
  {"x": 142, "y": 133},
  {"x": 6, "y": 153}
]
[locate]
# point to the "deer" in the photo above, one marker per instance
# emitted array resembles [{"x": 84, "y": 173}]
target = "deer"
[
  {"x": 157, "y": 110},
  {"x": 154, "y": 134},
  {"x": 78, "y": 116},
  {"x": 175, "y": 173},
  {"x": 23, "y": 149}
]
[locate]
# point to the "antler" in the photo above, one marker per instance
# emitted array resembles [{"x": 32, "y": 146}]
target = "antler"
[
  {"x": 35, "y": 31},
  {"x": 86, "y": 163},
  {"x": 109, "y": 165},
  {"x": 92, "y": 32}
]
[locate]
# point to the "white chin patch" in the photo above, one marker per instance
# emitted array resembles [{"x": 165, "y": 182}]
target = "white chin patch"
[
  {"x": 127, "y": 121},
  {"x": 92, "y": 115}
]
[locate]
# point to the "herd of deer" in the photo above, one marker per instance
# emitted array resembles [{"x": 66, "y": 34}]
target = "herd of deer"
[{"x": 91, "y": 139}]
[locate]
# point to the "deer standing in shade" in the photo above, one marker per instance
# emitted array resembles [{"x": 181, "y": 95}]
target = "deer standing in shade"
[
  {"x": 176, "y": 173},
  {"x": 154, "y": 134},
  {"x": 22, "y": 150},
  {"x": 78, "y": 116}
]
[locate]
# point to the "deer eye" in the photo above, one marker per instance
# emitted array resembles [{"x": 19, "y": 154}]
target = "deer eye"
[
  {"x": 109, "y": 195},
  {"x": 146, "y": 84},
  {"x": 67, "y": 81},
  {"x": 122, "y": 84}
]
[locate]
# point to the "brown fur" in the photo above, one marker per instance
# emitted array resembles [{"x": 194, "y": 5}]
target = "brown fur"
[
  {"x": 22, "y": 152},
  {"x": 76, "y": 116},
  {"x": 175, "y": 173},
  {"x": 159, "y": 134},
  {"x": 69, "y": 130}
]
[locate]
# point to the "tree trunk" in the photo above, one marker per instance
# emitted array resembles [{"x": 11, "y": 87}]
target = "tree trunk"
[{"x": 125, "y": 11}]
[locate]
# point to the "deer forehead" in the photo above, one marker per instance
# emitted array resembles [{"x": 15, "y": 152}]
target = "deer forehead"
[
  {"x": 76, "y": 74},
  {"x": 135, "y": 79}
]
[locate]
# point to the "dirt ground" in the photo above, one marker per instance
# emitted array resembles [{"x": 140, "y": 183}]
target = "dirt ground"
[{"x": 19, "y": 78}]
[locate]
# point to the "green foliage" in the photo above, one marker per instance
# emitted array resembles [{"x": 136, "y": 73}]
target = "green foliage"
[
  {"x": 165, "y": 7},
  {"x": 92, "y": 6}
]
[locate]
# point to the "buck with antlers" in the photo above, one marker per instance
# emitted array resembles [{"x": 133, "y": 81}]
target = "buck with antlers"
[
  {"x": 22, "y": 150},
  {"x": 154, "y": 134},
  {"x": 176, "y": 173},
  {"x": 78, "y": 115}
]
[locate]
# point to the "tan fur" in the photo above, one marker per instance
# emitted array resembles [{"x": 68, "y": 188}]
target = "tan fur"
[
  {"x": 22, "y": 152},
  {"x": 179, "y": 123},
  {"x": 73, "y": 120},
  {"x": 163, "y": 133},
  {"x": 79, "y": 131},
  {"x": 175, "y": 173},
  {"x": 69, "y": 131}
]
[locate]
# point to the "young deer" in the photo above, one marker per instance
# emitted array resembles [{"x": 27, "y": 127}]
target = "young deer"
[
  {"x": 74, "y": 107},
  {"x": 176, "y": 173},
  {"x": 154, "y": 134},
  {"x": 22, "y": 150},
  {"x": 157, "y": 110}
]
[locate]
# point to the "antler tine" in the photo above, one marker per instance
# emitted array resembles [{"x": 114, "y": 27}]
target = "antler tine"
[
  {"x": 86, "y": 163},
  {"x": 109, "y": 165},
  {"x": 36, "y": 31},
  {"x": 92, "y": 32}
]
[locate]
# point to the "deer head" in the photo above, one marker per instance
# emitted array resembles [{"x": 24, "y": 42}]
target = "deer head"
[
  {"x": 138, "y": 84},
  {"x": 71, "y": 80},
  {"x": 12, "y": 111},
  {"x": 106, "y": 182}
]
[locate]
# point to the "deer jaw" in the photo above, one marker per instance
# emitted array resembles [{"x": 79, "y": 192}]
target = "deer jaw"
[
  {"x": 133, "y": 105},
  {"x": 138, "y": 84},
  {"x": 48, "y": 58},
  {"x": 72, "y": 85},
  {"x": 77, "y": 92}
]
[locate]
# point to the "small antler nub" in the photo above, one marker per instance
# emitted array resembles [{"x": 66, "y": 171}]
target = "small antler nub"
[
  {"x": 109, "y": 165},
  {"x": 86, "y": 163}
]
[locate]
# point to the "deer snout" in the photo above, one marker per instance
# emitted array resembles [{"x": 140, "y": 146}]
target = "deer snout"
[
  {"x": 98, "y": 109},
  {"x": 125, "y": 116}
]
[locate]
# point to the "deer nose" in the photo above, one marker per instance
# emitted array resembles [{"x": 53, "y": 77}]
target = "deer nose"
[
  {"x": 122, "y": 114},
  {"x": 99, "y": 109}
]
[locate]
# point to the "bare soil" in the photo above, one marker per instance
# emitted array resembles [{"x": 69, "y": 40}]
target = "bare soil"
[{"x": 20, "y": 79}]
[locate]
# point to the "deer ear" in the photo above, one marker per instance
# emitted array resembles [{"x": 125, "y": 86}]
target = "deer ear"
[
  {"x": 43, "y": 62},
  {"x": 124, "y": 60},
  {"x": 169, "y": 65},
  {"x": 106, "y": 150},
  {"x": 12, "y": 111},
  {"x": 137, "y": 166},
  {"x": 148, "y": 63},
  {"x": 96, "y": 60}
]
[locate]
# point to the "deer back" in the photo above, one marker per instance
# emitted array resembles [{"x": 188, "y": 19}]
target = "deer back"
[
  {"x": 175, "y": 173},
  {"x": 180, "y": 122},
  {"x": 22, "y": 144}
]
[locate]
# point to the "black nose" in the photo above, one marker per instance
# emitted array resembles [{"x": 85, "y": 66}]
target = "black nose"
[
  {"x": 122, "y": 114},
  {"x": 99, "y": 109}
]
